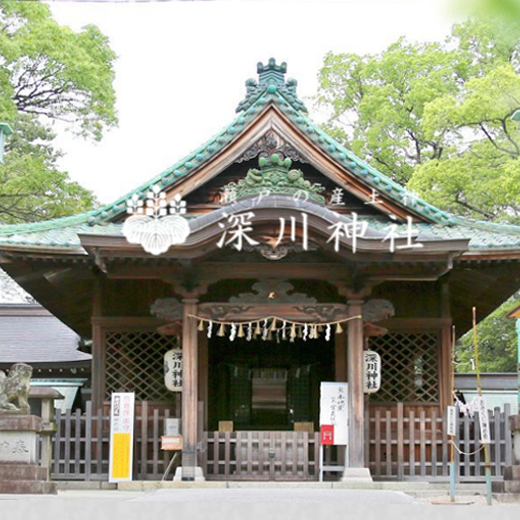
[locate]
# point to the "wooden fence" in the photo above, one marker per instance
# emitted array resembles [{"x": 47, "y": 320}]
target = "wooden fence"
[
  {"x": 414, "y": 445},
  {"x": 81, "y": 444},
  {"x": 257, "y": 455},
  {"x": 400, "y": 446}
]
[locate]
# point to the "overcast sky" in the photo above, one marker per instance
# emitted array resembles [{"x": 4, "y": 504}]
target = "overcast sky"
[{"x": 182, "y": 67}]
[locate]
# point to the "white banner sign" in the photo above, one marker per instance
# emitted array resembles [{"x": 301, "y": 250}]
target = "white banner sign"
[
  {"x": 452, "y": 421},
  {"x": 173, "y": 370},
  {"x": 485, "y": 434},
  {"x": 371, "y": 372},
  {"x": 121, "y": 437},
  {"x": 334, "y": 410}
]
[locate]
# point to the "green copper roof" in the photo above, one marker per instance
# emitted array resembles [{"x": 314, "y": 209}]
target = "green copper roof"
[
  {"x": 271, "y": 79},
  {"x": 271, "y": 88},
  {"x": 482, "y": 235}
]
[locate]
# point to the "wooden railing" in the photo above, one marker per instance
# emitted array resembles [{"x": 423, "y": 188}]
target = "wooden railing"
[
  {"x": 414, "y": 444},
  {"x": 401, "y": 444}
]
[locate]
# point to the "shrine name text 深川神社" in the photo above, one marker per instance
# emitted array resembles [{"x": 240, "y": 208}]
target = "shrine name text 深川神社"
[{"x": 157, "y": 225}]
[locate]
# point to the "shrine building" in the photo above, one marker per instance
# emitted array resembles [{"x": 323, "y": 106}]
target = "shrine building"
[{"x": 288, "y": 257}]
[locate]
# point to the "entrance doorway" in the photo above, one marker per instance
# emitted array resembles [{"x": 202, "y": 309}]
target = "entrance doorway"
[{"x": 267, "y": 385}]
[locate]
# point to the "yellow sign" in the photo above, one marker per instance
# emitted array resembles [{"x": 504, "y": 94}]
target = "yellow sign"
[
  {"x": 121, "y": 437},
  {"x": 121, "y": 456}
]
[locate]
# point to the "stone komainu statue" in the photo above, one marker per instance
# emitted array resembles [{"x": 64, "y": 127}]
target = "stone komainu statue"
[{"x": 14, "y": 389}]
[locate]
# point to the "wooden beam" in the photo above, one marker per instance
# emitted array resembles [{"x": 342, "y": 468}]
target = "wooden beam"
[
  {"x": 212, "y": 272},
  {"x": 126, "y": 323}
]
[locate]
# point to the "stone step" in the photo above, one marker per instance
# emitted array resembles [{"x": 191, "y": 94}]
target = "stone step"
[
  {"x": 512, "y": 473},
  {"x": 22, "y": 472},
  {"x": 28, "y": 487},
  {"x": 512, "y": 486}
]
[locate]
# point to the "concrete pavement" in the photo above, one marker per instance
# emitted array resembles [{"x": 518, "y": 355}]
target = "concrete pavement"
[{"x": 284, "y": 495}]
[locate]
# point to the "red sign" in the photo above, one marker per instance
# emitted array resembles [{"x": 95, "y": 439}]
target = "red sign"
[{"x": 327, "y": 434}]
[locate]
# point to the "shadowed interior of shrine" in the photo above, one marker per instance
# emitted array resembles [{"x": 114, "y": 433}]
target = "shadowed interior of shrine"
[{"x": 267, "y": 385}]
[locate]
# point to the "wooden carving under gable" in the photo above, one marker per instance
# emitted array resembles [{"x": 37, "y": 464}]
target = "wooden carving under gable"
[
  {"x": 169, "y": 309},
  {"x": 274, "y": 291},
  {"x": 373, "y": 311},
  {"x": 324, "y": 312},
  {"x": 273, "y": 298},
  {"x": 269, "y": 144},
  {"x": 377, "y": 310}
]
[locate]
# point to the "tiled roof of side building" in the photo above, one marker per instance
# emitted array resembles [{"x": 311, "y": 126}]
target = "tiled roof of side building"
[
  {"x": 31, "y": 334},
  {"x": 270, "y": 88}
]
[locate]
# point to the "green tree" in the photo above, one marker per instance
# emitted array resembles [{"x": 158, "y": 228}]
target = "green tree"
[
  {"x": 435, "y": 116},
  {"x": 48, "y": 74},
  {"x": 497, "y": 342}
]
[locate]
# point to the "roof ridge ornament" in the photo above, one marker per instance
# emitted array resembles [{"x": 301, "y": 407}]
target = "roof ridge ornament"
[
  {"x": 271, "y": 74},
  {"x": 271, "y": 81},
  {"x": 275, "y": 176}
]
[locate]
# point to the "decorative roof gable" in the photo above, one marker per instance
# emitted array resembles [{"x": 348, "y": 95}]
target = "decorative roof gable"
[
  {"x": 275, "y": 176},
  {"x": 271, "y": 96},
  {"x": 272, "y": 90}
]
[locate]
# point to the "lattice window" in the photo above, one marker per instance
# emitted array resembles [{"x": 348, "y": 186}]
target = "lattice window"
[
  {"x": 134, "y": 363},
  {"x": 410, "y": 368}
]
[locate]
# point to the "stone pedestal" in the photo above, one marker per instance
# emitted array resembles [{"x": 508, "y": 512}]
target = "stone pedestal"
[
  {"x": 19, "y": 469},
  {"x": 357, "y": 475},
  {"x": 512, "y": 473},
  {"x": 198, "y": 475}
]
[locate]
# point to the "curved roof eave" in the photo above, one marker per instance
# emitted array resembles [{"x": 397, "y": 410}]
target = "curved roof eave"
[{"x": 62, "y": 234}]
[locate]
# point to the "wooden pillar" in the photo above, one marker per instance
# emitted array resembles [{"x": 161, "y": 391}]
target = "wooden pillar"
[
  {"x": 444, "y": 349},
  {"x": 189, "y": 389},
  {"x": 203, "y": 377},
  {"x": 98, "y": 363},
  {"x": 356, "y": 449},
  {"x": 340, "y": 354}
]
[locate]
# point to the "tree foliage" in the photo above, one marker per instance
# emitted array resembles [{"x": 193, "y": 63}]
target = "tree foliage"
[
  {"x": 49, "y": 75},
  {"x": 437, "y": 117},
  {"x": 497, "y": 342}
]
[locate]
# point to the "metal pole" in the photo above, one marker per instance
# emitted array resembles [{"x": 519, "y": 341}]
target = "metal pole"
[
  {"x": 321, "y": 462},
  {"x": 518, "y": 359},
  {"x": 452, "y": 445},
  {"x": 489, "y": 496}
]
